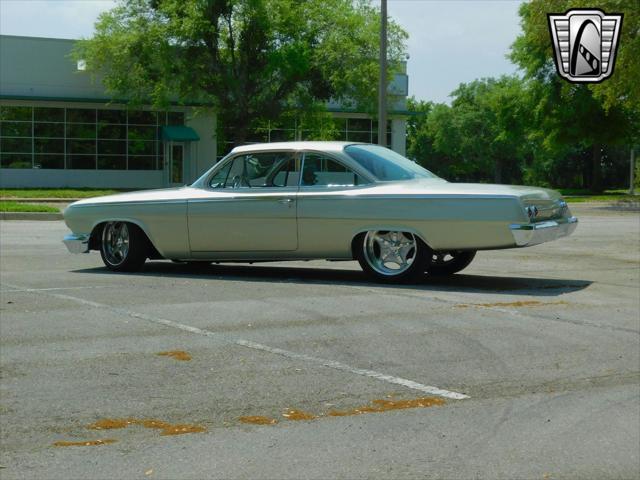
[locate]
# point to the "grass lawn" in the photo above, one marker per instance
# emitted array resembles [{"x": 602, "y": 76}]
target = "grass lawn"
[
  {"x": 603, "y": 198},
  {"x": 579, "y": 196},
  {"x": 26, "y": 207},
  {"x": 54, "y": 192}
]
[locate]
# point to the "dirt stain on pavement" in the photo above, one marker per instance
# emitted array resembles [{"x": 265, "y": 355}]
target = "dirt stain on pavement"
[
  {"x": 165, "y": 427},
  {"x": 521, "y": 303},
  {"x": 88, "y": 443},
  {"x": 258, "y": 420},
  {"x": 110, "y": 424},
  {"x": 177, "y": 355},
  {"x": 293, "y": 414},
  {"x": 379, "y": 406},
  {"x": 376, "y": 406},
  {"x": 181, "y": 429}
]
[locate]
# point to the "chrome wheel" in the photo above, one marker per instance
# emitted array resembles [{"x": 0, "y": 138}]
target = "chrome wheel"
[
  {"x": 115, "y": 242},
  {"x": 390, "y": 253}
]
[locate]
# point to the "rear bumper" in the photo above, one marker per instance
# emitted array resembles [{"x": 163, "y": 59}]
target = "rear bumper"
[
  {"x": 527, "y": 234},
  {"x": 77, "y": 243}
]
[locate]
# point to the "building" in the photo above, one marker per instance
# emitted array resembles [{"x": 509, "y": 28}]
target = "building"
[{"x": 59, "y": 128}]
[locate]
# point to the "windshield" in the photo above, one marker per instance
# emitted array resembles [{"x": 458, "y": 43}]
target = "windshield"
[{"x": 386, "y": 165}]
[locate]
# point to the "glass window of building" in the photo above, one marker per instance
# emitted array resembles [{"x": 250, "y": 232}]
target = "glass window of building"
[{"x": 82, "y": 138}]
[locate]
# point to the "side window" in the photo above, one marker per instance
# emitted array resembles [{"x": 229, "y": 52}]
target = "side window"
[
  {"x": 258, "y": 170},
  {"x": 319, "y": 170},
  {"x": 217, "y": 181},
  {"x": 237, "y": 177},
  {"x": 287, "y": 175}
]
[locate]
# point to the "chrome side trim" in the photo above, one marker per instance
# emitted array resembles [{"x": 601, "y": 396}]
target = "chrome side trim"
[
  {"x": 286, "y": 197},
  {"x": 527, "y": 234},
  {"x": 77, "y": 243},
  {"x": 129, "y": 202}
]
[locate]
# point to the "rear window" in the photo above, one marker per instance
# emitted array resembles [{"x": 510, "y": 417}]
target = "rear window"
[{"x": 386, "y": 165}]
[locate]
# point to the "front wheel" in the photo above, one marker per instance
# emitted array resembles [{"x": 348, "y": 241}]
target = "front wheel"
[
  {"x": 391, "y": 256},
  {"x": 448, "y": 263},
  {"x": 123, "y": 247}
]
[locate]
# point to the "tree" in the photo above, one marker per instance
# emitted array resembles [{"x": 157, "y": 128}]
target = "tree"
[
  {"x": 251, "y": 60},
  {"x": 419, "y": 143},
  {"x": 580, "y": 117},
  {"x": 538, "y": 128},
  {"x": 481, "y": 136},
  {"x": 494, "y": 114}
]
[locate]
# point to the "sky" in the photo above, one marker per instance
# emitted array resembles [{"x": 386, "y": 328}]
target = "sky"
[{"x": 450, "y": 41}]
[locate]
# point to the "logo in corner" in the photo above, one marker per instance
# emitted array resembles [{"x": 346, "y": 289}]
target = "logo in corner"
[{"x": 585, "y": 43}]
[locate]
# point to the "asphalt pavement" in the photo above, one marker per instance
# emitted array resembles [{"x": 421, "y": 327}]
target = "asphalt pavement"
[{"x": 525, "y": 365}]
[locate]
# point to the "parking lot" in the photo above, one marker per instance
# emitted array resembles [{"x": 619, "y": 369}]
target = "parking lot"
[{"x": 527, "y": 364}]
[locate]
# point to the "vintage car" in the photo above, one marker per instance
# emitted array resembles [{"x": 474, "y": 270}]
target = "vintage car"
[{"x": 318, "y": 200}]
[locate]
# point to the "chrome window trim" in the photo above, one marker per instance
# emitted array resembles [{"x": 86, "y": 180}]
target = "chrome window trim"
[{"x": 203, "y": 182}]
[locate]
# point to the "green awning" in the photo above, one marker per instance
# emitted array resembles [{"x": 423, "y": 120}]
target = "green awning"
[{"x": 179, "y": 133}]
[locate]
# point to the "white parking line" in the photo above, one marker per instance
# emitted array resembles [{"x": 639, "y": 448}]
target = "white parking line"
[
  {"x": 358, "y": 371},
  {"x": 12, "y": 290},
  {"x": 428, "y": 389}
]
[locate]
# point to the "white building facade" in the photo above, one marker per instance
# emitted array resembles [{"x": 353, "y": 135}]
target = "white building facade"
[{"x": 59, "y": 128}]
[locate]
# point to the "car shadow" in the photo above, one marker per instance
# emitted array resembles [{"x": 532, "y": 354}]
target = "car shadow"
[{"x": 265, "y": 273}]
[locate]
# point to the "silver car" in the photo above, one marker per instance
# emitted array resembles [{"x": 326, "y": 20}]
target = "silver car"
[{"x": 318, "y": 200}]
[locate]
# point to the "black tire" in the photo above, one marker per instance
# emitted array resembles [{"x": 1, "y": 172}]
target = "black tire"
[
  {"x": 374, "y": 271},
  {"x": 132, "y": 257},
  {"x": 440, "y": 264}
]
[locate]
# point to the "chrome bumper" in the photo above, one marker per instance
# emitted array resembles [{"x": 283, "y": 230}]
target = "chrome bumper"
[
  {"x": 77, "y": 243},
  {"x": 527, "y": 234}
]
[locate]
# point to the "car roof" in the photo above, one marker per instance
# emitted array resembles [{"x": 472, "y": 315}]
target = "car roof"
[{"x": 314, "y": 145}]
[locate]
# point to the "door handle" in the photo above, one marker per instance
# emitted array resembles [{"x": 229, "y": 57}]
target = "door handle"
[{"x": 286, "y": 201}]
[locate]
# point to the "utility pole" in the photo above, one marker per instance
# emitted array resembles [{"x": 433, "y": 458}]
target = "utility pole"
[
  {"x": 632, "y": 172},
  {"x": 382, "y": 84}
]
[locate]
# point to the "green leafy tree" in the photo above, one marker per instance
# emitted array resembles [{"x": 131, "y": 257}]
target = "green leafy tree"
[
  {"x": 419, "y": 142},
  {"x": 493, "y": 115},
  {"x": 570, "y": 119},
  {"x": 252, "y": 60},
  {"x": 482, "y": 136}
]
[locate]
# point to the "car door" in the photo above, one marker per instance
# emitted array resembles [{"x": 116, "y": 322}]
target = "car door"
[
  {"x": 329, "y": 206},
  {"x": 250, "y": 206}
]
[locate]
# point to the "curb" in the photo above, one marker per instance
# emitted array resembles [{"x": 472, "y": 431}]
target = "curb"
[
  {"x": 38, "y": 200},
  {"x": 628, "y": 206},
  {"x": 30, "y": 216}
]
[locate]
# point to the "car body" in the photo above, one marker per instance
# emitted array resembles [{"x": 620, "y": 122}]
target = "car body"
[{"x": 313, "y": 200}]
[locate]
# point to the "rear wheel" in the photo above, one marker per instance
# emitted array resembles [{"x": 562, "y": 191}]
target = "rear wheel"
[
  {"x": 448, "y": 263},
  {"x": 391, "y": 256},
  {"x": 123, "y": 246}
]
